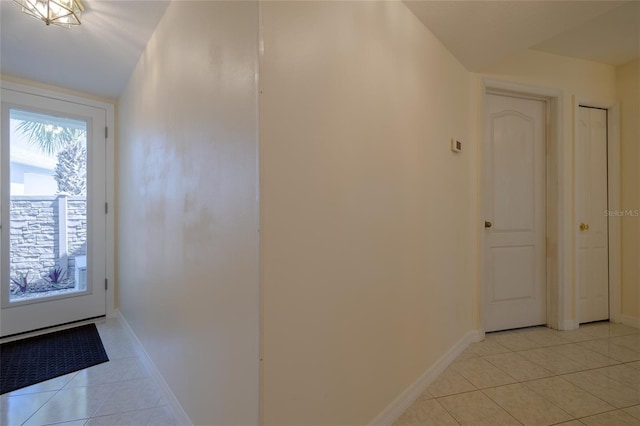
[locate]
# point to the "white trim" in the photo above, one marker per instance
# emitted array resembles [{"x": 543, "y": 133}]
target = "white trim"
[
  {"x": 410, "y": 394},
  {"x": 556, "y": 313},
  {"x": 615, "y": 238},
  {"x": 18, "y": 87},
  {"x": 629, "y": 320},
  {"x": 522, "y": 89},
  {"x": 555, "y": 285},
  {"x": 51, "y": 330},
  {"x": 110, "y": 194},
  {"x": 178, "y": 412},
  {"x": 568, "y": 325},
  {"x": 613, "y": 189},
  {"x": 109, "y": 109}
]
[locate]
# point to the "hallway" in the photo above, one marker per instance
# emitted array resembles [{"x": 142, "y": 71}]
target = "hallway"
[{"x": 539, "y": 376}]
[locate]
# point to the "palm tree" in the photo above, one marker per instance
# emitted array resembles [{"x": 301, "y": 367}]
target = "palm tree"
[
  {"x": 71, "y": 169},
  {"x": 67, "y": 144},
  {"x": 49, "y": 137}
]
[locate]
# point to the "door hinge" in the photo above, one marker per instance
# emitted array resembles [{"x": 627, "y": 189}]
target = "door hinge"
[
  {"x": 106, "y": 132},
  {"x": 106, "y": 208},
  {"x": 106, "y": 284}
]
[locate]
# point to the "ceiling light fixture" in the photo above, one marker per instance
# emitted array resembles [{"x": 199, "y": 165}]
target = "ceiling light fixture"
[{"x": 63, "y": 13}]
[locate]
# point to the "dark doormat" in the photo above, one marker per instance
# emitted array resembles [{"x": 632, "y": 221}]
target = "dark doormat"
[{"x": 36, "y": 359}]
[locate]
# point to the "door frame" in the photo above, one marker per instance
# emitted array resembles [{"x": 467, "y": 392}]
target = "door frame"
[
  {"x": 562, "y": 294},
  {"x": 109, "y": 108},
  {"x": 613, "y": 203},
  {"x": 555, "y": 199}
]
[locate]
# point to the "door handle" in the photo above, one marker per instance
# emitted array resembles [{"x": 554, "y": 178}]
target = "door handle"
[
  {"x": 487, "y": 224},
  {"x": 584, "y": 227}
]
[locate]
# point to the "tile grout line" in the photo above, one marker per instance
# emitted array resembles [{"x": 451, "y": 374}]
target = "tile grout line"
[
  {"x": 122, "y": 412},
  {"x": 497, "y": 348},
  {"x": 616, "y": 363},
  {"x": 49, "y": 399},
  {"x": 447, "y": 411},
  {"x": 524, "y": 382},
  {"x": 498, "y": 404}
]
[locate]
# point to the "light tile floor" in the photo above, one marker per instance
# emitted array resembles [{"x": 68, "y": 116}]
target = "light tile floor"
[
  {"x": 119, "y": 392},
  {"x": 539, "y": 376},
  {"x": 535, "y": 376}
]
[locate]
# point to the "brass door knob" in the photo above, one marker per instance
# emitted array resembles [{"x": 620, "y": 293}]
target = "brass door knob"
[
  {"x": 584, "y": 227},
  {"x": 487, "y": 224}
]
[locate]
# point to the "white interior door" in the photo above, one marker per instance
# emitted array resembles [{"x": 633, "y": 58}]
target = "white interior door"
[
  {"x": 52, "y": 205},
  {"x": 514, "y": 285},
  {"x": 591, "y": 203}
]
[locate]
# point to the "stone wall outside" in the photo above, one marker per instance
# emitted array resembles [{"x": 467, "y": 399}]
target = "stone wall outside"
[{"x": 34, "y": 228}]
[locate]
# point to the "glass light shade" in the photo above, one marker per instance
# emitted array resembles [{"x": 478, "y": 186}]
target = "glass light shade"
[{"x": 63, "y": 13}]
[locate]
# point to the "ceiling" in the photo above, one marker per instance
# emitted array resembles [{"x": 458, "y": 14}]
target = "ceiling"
[
  {"x": 99, "y": 56},
  {"x": 482, "y": 33}
]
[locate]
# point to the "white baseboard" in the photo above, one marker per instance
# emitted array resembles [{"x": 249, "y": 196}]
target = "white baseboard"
[
  {"x": 568, "y": 325},
  {"x": 629, "y": 320},
  {"x": 179, "y": 414},
  {"x": 410, "y": 394}
]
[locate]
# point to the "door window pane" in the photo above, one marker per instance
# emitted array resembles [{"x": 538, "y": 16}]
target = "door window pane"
[{"x": 48, "y": 205}]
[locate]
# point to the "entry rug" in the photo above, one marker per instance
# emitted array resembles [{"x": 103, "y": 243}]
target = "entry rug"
[{"x": 36, "y": 359}]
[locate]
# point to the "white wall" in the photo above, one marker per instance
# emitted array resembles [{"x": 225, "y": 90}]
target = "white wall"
[
  {"x": 573, "y": 78},
  {"x": 369, "y": 228},
  {"x": 187, "y": 205},
  {"x": 368, "y": 242},
  {"x": 628, "y": 86}
]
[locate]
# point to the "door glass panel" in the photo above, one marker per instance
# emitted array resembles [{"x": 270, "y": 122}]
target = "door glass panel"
[{"x": 48, "y": 206}]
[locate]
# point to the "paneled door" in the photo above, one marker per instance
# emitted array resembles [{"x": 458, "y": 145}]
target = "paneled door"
[
  {"x": 591, "y": 220},
  {"x": 52, "y": 205},
  {"x": 514, "y": 272}
]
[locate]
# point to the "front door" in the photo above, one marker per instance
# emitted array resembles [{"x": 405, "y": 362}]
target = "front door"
[
  {"x": 514, "y": 277},
  {"x": 52, "y": 204},
  {"x": 591, "y": 220}
]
